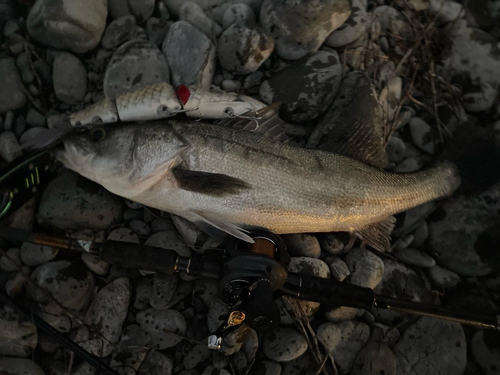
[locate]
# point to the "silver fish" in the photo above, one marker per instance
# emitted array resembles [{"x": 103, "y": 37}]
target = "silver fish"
[{"x": 234, "y": 179}]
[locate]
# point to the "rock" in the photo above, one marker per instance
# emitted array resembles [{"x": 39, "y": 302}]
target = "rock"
[
  {"x": 20, "y": 126},
  {"x": 156, "y": 363},
  {"x": 61, "y": 323},
  {"x": 20, "y": 366},
  {"x": 338, "y": 268},
  {"x": 30, "y": 134},
  {"x": 392, "y": 22},
  {"x": 479, "y": 100},
  {"x": 11, "y": 96},
  {"x": 305, "y": 245},
  {"x": 141, "y": 10},
  {"x": 352, "y": 29},
  {"x": 443, "y": 277},
  {"x": 243, "y": 49},
  {"x": 250, "y": 345},
  {"x": 420, "y": 234},
  {"x": 414, "y": 257},
  {"x": 10, "y": 260},
  {"x": 238, "y": 13},
  {"x": 395, "y": 149},
  {"x": 300, "y": 365},
  {"x": 107, "y": 316},
  {"x": 412, "y": 217},
  {"x": 233, "y": 342},
  {"x": 486, "y": 351},
  {"x": 183, "y": 290},
  {"x": 70, "y": 78},
  {"x": 409, "y": 165},
  {"x": 318, "y": 78},
  {"x": 73, "y": 202},
  {"x": 96, "y": 264},
  {"x": 160, "y": 224},
  {"x": 343, "y": 341},
  {"x": 374, "y": 359},
  {"x": 118, "y": 31},
  {"x": 24, "y": 65},
  {"x": 480, "y": 13},
  {"x": 196, "y": 356},
  {"x": 463, "y": 232},
  {"x": 265, "y": 367},
  {"x": 157, "y": 29},
  {"x": 422, "y": 135},
  {"x": 230, "y": 85},
  {"x": 206, "y": 289},
  {"x": 334, "y": 242},
  {"x": 366, "y": 268},
  {"x": 193, "y": 13},
  {"x": 140, "y": 228},
  {"x": 432, "y": 346},
  {"x": 216, "y": 310},
  {"x": 390, "y": 97},
  {"x": 35, "y": 118},
  {"x": 166, "y": 327},
  {"x": 135, "y": 64},
  {"x": 18, "y": 336},
  {"x": 34, "y": 255},
  {"x": 284, "y": 344},
  {"x": 9, "y": 119},
  {"x": 143, "y": 294},
  {"x": 130, "y": 215},
  {"x": 169, "y": 240},
  {"x": 68, "y": 24},
  {"x": 164, "y": 287},
  {"x": 130, "y": 351},
  {"x": 301, "y": 27},
  {"x": 9, "y": 146},
  {"x": 69, "y": 283},
  {"x": 446, "y": 10},
  {"x": 190, "y": 54}
]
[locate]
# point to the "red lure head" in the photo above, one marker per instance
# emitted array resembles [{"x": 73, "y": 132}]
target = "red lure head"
[{"x": 183, "y": 93}]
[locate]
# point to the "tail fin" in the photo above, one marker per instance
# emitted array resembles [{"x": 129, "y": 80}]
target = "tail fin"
[{"x": 475, "y": 151}]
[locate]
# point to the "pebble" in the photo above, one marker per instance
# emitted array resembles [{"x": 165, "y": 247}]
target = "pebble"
[
  {"x": 156, "y": 363},
  {"x": 9, "y": 146},
  {"x": 284, "y": 344},
  {"x": 239, "y": 361},
  {"x": 233, "y": 342},
  {"x": 109, "y": 311},
  {"x": 409, "y": 165},
  {"x": 34, "y": 255},
  {"x": 432, "y": 346},
  {"x": 343, "y": 341},
  {"x": 143, "y": 294},
  {"x": 10, "y": 260},
  {"x": 207, "y": 290},
  {"x": 216, "y": 309},
  {"x": 317, "y": 79},
  {"x": 183, "y": 290},
  {"x": 68, "y": 282},
  {"x": 164, "y": 287},
  {"x": 130, "y": 215},
  {"x": 130, "y": 351},
  {"x": 30, "y": 134},
  {"x": 395, "y": 149},
  {"x": 250, "y": 345},
  {"x": 374, "y": 359},
  {"x": 231, "y": 85},
  {"x": 443, "y": 277},
  {"x": 415, "y": 257},
  {"x": 70, "y": 78},
  {"x": 190, "y": 54},
  {"x": 11, "y": 27},
  {"x": 392, "y": 22},
  {"x": 390, "y": 97},
  {"x": 141, "y": 10},
  {"x": 486, "y": 352},
  {"x": 338, "y": 268},
  {"x": 96, "y": 264},
  {"x": 19, "y": 126},
  {"x": 237, "y": 14},
  {"x": 157, "y": 29},
  {"x": 193, "y": 13},
  {"x": 160, "y": 224},
  {"x": 135, "y": 64},
  {"x": 140, "y": 228},
  {"x": 264, "y": 367},
  {"x": 411, "y": 218},
  {"x": 367, "y": 269},
  {"x": 9, "y": 119},
  {"x": 166, "y": 327},
  {"x": 196, "y": 356},
  {"x": 11, "y": 95},
  {"x": 20, "y": 366},
  {"x": 352, "y": 29},
  {"x": 300, "y": 27},
  {"x": 63, "y": 198},
  {"x": 420, "y": 234},
  {"x": 66, "y": 24},
  {"x": 35, "y": 118},
  {"x": 422, "y": 135},
  {"x": 169, "y": 240},
  {"x": 480, "y": 100},
  {"x": 18, "y": 336},
  {"x": 305, "y": 245},
  {"x": 300, "y": 365},
  {"x": 118, "y": 31},
  {"x": 446, "y": 10},
  {"x": 333, "y": 243},
  {"x": 23, "y": 64},
  {"x": 61, "y": 323}
]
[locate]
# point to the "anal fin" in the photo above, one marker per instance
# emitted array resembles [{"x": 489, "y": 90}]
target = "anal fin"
[
  {"x": 202, "y": 219},
  {"x": 378, "y": 235}
]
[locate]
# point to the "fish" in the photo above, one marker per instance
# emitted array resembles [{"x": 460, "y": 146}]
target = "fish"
[{"x": 233, "y": 180}]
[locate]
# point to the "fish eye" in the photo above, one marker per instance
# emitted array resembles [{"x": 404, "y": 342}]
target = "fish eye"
[{"x": 97, "y": 134}]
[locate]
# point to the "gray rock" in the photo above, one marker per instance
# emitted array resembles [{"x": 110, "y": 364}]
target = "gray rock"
[
  {"x": 9, "y": 119},
  {"x": 413, "y": 217},
  {"x": 141, "y": 10},
  {"x": 30, "y": 134},
  {"x": 160, "y": 224},
  {"x": 130, "y": 214},
  {"x": 415, "y": 257},
  {"x": 250, "y": 345},
  {"x": 409, "y": 165},
  {"x": 239, "y": 361},
  {"x": 20, "y": 126},
  {"x": 174, "y": 6},
  {"x": 243, "y": 49},
  {"x": 300, "y": 365},
  {"x": 217, "y": 308},
  {"x": 343, "y": 341},
  {"x": 264, "y": 367},
  {"x": 374, "y": 359},
  {"x": 84, "y": 369},
  {"x": 193, "y": 13},
  {"x": 317, "y": 78},
  {"x": 18, "y": 337},
  {"x": 143, "y": 294},
  {"x": 123, "y": 235},
  {"x": 481, "y": 13},
  {"x": 11, "y": 96},
  {"x": 10, "y": 260},
  {"x": 231, "y": 85},
  {"x": 332, "y": 243},
  {"x": 390, "y": 97},
  {"x": 135, "y": 64},
  {"x": 422, "y": 135},
  {"x": 301, "y": 27},
  {"x": 431, "y": 346},
  {"x": 164, "y": 287},
  {"x": 166, "y": 327},
  {"x": 338, "y": 268},
  {"x": 443, "y": 277},
  {"x": 34, "y": 255},
  {"x": 20, "y": 366},
  {"x": 118, "y": 32},
  {"x": 395, "y": 149},
  {"x": 352, "y": 29},
  {"x": 238, "y": 13},
  {"x": 190, "y": 54},
  {"x": 23, "y": 62},
  {"x": 284, "y": 344},
  {"x": 156, "y": 363},
  {"x": 183, "y": 290},
  {"x": 196, "y": 356},
  {"x": 107, "y": 316},
  {"x": 61, "y": 323},
  {"x": 66, "y": 24},
  {"x": 446, "y": 10},
  {"x": 192, "y": 236},
  {"x": 206, "y": 290},
  {"x": 70, "y": 78},
  {"x": 140, "y": 228},
  {"x": 366, "y": 268},
  {"x": 11, "y": 27},
  {"x": 463, "y": 232},
  {"x": 481, "y": 99},
  {"x": 420, "y": 234},
  {"x": 69, "y": 283},
  {"x": 130, "y": 351},
  {"x": 305, "y": 245},
  {"x": 73, "y": 202},
  {"x": 169, "y": 240},
  {"x": 157, "y": 29},
  {"x": 392, "y": 22},
  {"x": 486, "y": 352},
  {"x": 96, "y": 264},
  {"x": 35, "y": 118}
]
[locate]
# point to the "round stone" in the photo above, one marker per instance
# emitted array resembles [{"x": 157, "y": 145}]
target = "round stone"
[
  {"x": 414, "y": 257},
  {"x": 118, "y": 32},
  {"x": 166, "y": 327},
  {"x": 70, "y": 78},
  {"x": 284, "y": 344}
]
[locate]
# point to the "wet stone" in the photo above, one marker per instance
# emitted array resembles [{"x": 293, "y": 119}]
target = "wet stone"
[
  {"x": 169, "y": 240},
  {"x": 265, "y": 367},
  {"x": 20, "y": 366},
  {"x": 118, "y": 32},
  {"x": 18, "y": 337},
  {"x": 96, "y": 264},
  {"x": 141, "y": 10},
  {"x": 443, "y": 277},
  {"x": 35, "y": 118},
  {"x": 140, "y": 228},
  {"x": 338, "y": 268},
  {"x": 157, "y": 29},
  {"x": 11, "y": 95},
  {"x": 284, "y": 344},
  {"x": 305, "y": 245},
  {"x": 422, "y": 135},
  {"x": 130, "y": 351},
  {"x": 352, "y": 29},
  {"x": 395, "y": 149},
  {"x": 415, "y": 257},
  {"x": 196, "y": 356},
  {"x": 34, "y": 255},
  {"x": 10, "y": 260},
  {"x": 238, "y": 13},
  {"x": 156, "y": 363},
  {"x": 366, "y": 268},
  {"x": 164, "y": 287},
  {"x": 70, "y": 78},
  {"x": 299, "y": 366},
  {"x": 486, "y": 351},
  {"x": 166, "y": 327},
  {"x": 374, "y": 359},
  {"x": 318, "y": 78},
  {"x": 193, "y": 13}
]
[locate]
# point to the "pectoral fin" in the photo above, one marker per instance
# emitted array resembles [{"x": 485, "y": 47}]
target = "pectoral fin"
[
  {"x": 378, "y": 235},
  {"x": 215, "y": 184},
  {"x": 202, "y": 219}
]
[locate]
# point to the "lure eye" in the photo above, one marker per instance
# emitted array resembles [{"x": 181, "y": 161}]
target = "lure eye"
[{"x": 97, "y": 134}]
